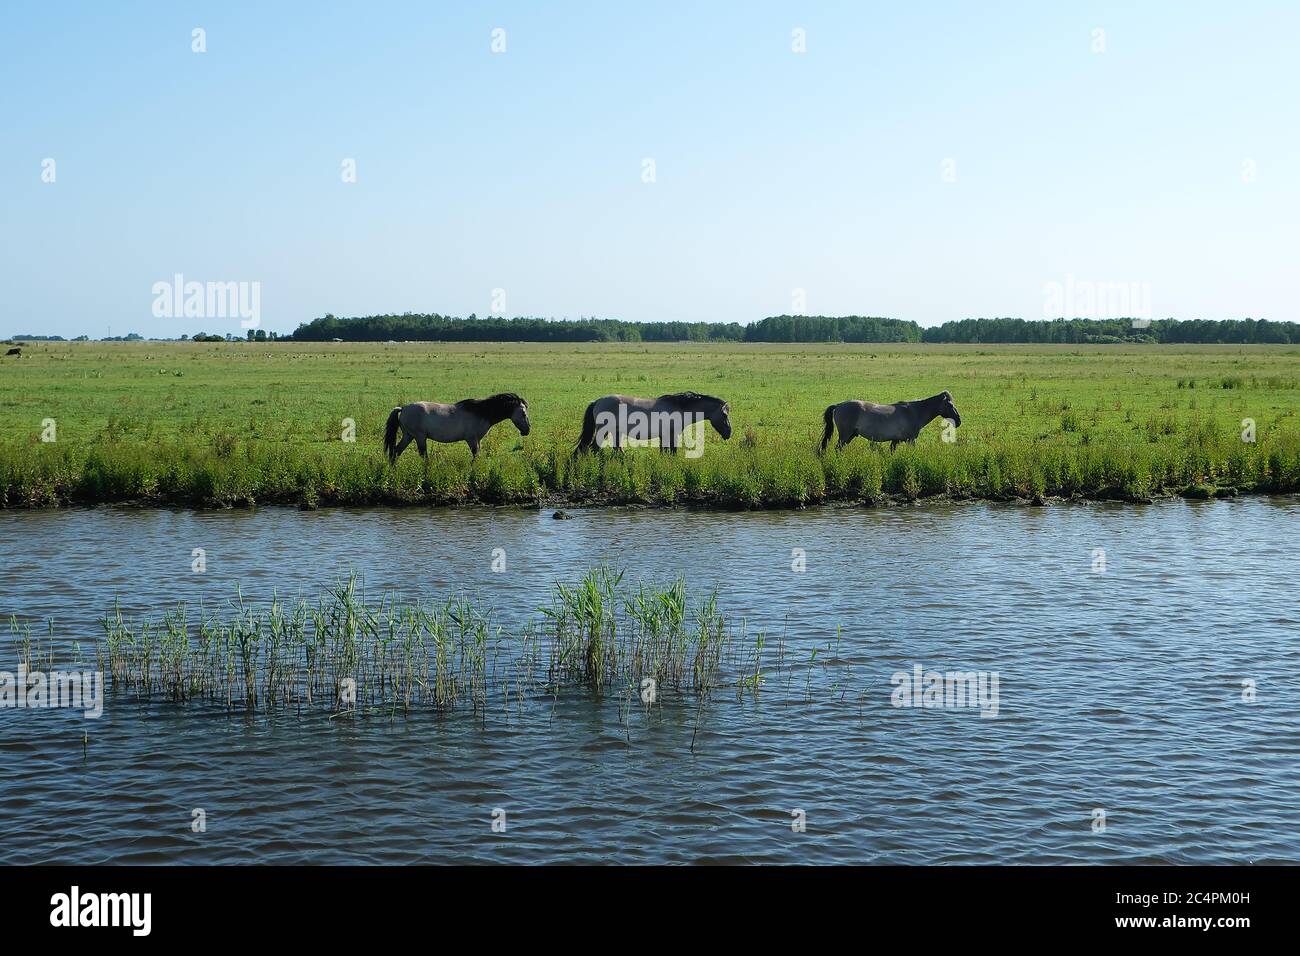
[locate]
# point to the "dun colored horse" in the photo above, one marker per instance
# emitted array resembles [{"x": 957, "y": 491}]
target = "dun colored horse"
[
  {"x": 622, "y": 418},
  {"x": 901, "y": 421},
  {"x": 466, "y": 421}
]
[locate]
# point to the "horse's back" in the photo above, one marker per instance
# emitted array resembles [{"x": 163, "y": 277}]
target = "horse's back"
[
  {"x": 436, "y": 420},
  {"x": 611, "y": 403},
  {"x": 437, "y": 409},
  {"x": 882, "y": 422},
  {"x": 871, "y": 409}
]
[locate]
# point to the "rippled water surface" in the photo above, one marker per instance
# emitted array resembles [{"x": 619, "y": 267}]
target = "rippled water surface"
[{"x": 1119, "y": 689}]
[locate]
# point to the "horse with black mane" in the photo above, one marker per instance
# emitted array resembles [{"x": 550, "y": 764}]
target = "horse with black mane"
[
  {"x": 901, "y": 421},
  {"x": 622, "y": 418},
  {"x": 468, "y": 420}
]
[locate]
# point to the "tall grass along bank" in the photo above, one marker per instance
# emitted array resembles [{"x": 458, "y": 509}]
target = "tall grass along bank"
[{"x": 221, "y": 425}]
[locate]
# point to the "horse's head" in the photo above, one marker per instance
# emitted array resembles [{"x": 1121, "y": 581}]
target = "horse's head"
[
  {"x": 948, "y": 410},
  {"x": 520, "y": 417},
  {"x": 720, "y": 419}
]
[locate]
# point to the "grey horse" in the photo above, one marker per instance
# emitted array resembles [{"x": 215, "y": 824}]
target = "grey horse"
[
  {"x": 466, "y": 421},
  {"x": 901, "y": 421},
  {"x": 622, "y": 418}
]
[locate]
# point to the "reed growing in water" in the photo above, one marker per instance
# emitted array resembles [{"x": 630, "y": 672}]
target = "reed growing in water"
[{"x": 347, "y": 654}]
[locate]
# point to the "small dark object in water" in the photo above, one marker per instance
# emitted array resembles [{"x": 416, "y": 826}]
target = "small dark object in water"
[
  {"x": 561, "y": 515},
  {"x": 15, "y": 351}
]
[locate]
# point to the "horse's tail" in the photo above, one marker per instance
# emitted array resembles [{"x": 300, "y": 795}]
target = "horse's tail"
[
  {"x": 588, "y": 430},
  {"x": 390, "y": 434},
  {"x": 829, "y": 419}
]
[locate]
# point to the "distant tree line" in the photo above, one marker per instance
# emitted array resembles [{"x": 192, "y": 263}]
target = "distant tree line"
[
  {"x": 797, "y": 328},
  {"x": 414, "y": 327},
  {"x": 832, "y": 328},
  {"x": 779, "y": 328},
  {"x": 1085, "y": 331},
  {"x": 417, "y": 327}
]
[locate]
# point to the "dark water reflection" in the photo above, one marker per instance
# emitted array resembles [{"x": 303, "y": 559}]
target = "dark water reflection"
[{"x": 1119, "y": 690}]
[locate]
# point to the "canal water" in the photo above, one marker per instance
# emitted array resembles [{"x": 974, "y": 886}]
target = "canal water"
[{"x": 1146, "y": 658}]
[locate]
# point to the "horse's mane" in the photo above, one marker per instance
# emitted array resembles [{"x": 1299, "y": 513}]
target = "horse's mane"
[
  {"x": 926, "y": 401},
  {"x": 684, "y": 398},
  {"x": 494, "y": 407}
]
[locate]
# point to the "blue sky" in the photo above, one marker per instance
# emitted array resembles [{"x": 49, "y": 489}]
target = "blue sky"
[{"x": 1170, "y": 159}]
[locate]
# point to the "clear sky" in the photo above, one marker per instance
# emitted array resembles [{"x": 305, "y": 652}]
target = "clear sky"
[{"x": 927, "y": 161}]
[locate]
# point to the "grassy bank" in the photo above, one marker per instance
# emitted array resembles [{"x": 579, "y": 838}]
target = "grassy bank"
[{"x": 235, "y": 424}]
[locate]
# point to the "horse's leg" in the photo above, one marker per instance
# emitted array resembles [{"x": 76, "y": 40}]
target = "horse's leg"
[
  {"x": 473, "y": 447},
  {"x": 401, "y": 445},
  {"x": 845, "y": 438},
  {"x": 893, "y": 444},
  {"x": 420, "y": 443}
]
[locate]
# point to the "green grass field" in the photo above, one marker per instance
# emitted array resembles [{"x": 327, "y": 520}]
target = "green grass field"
[{"x": 229, "y": 424}]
